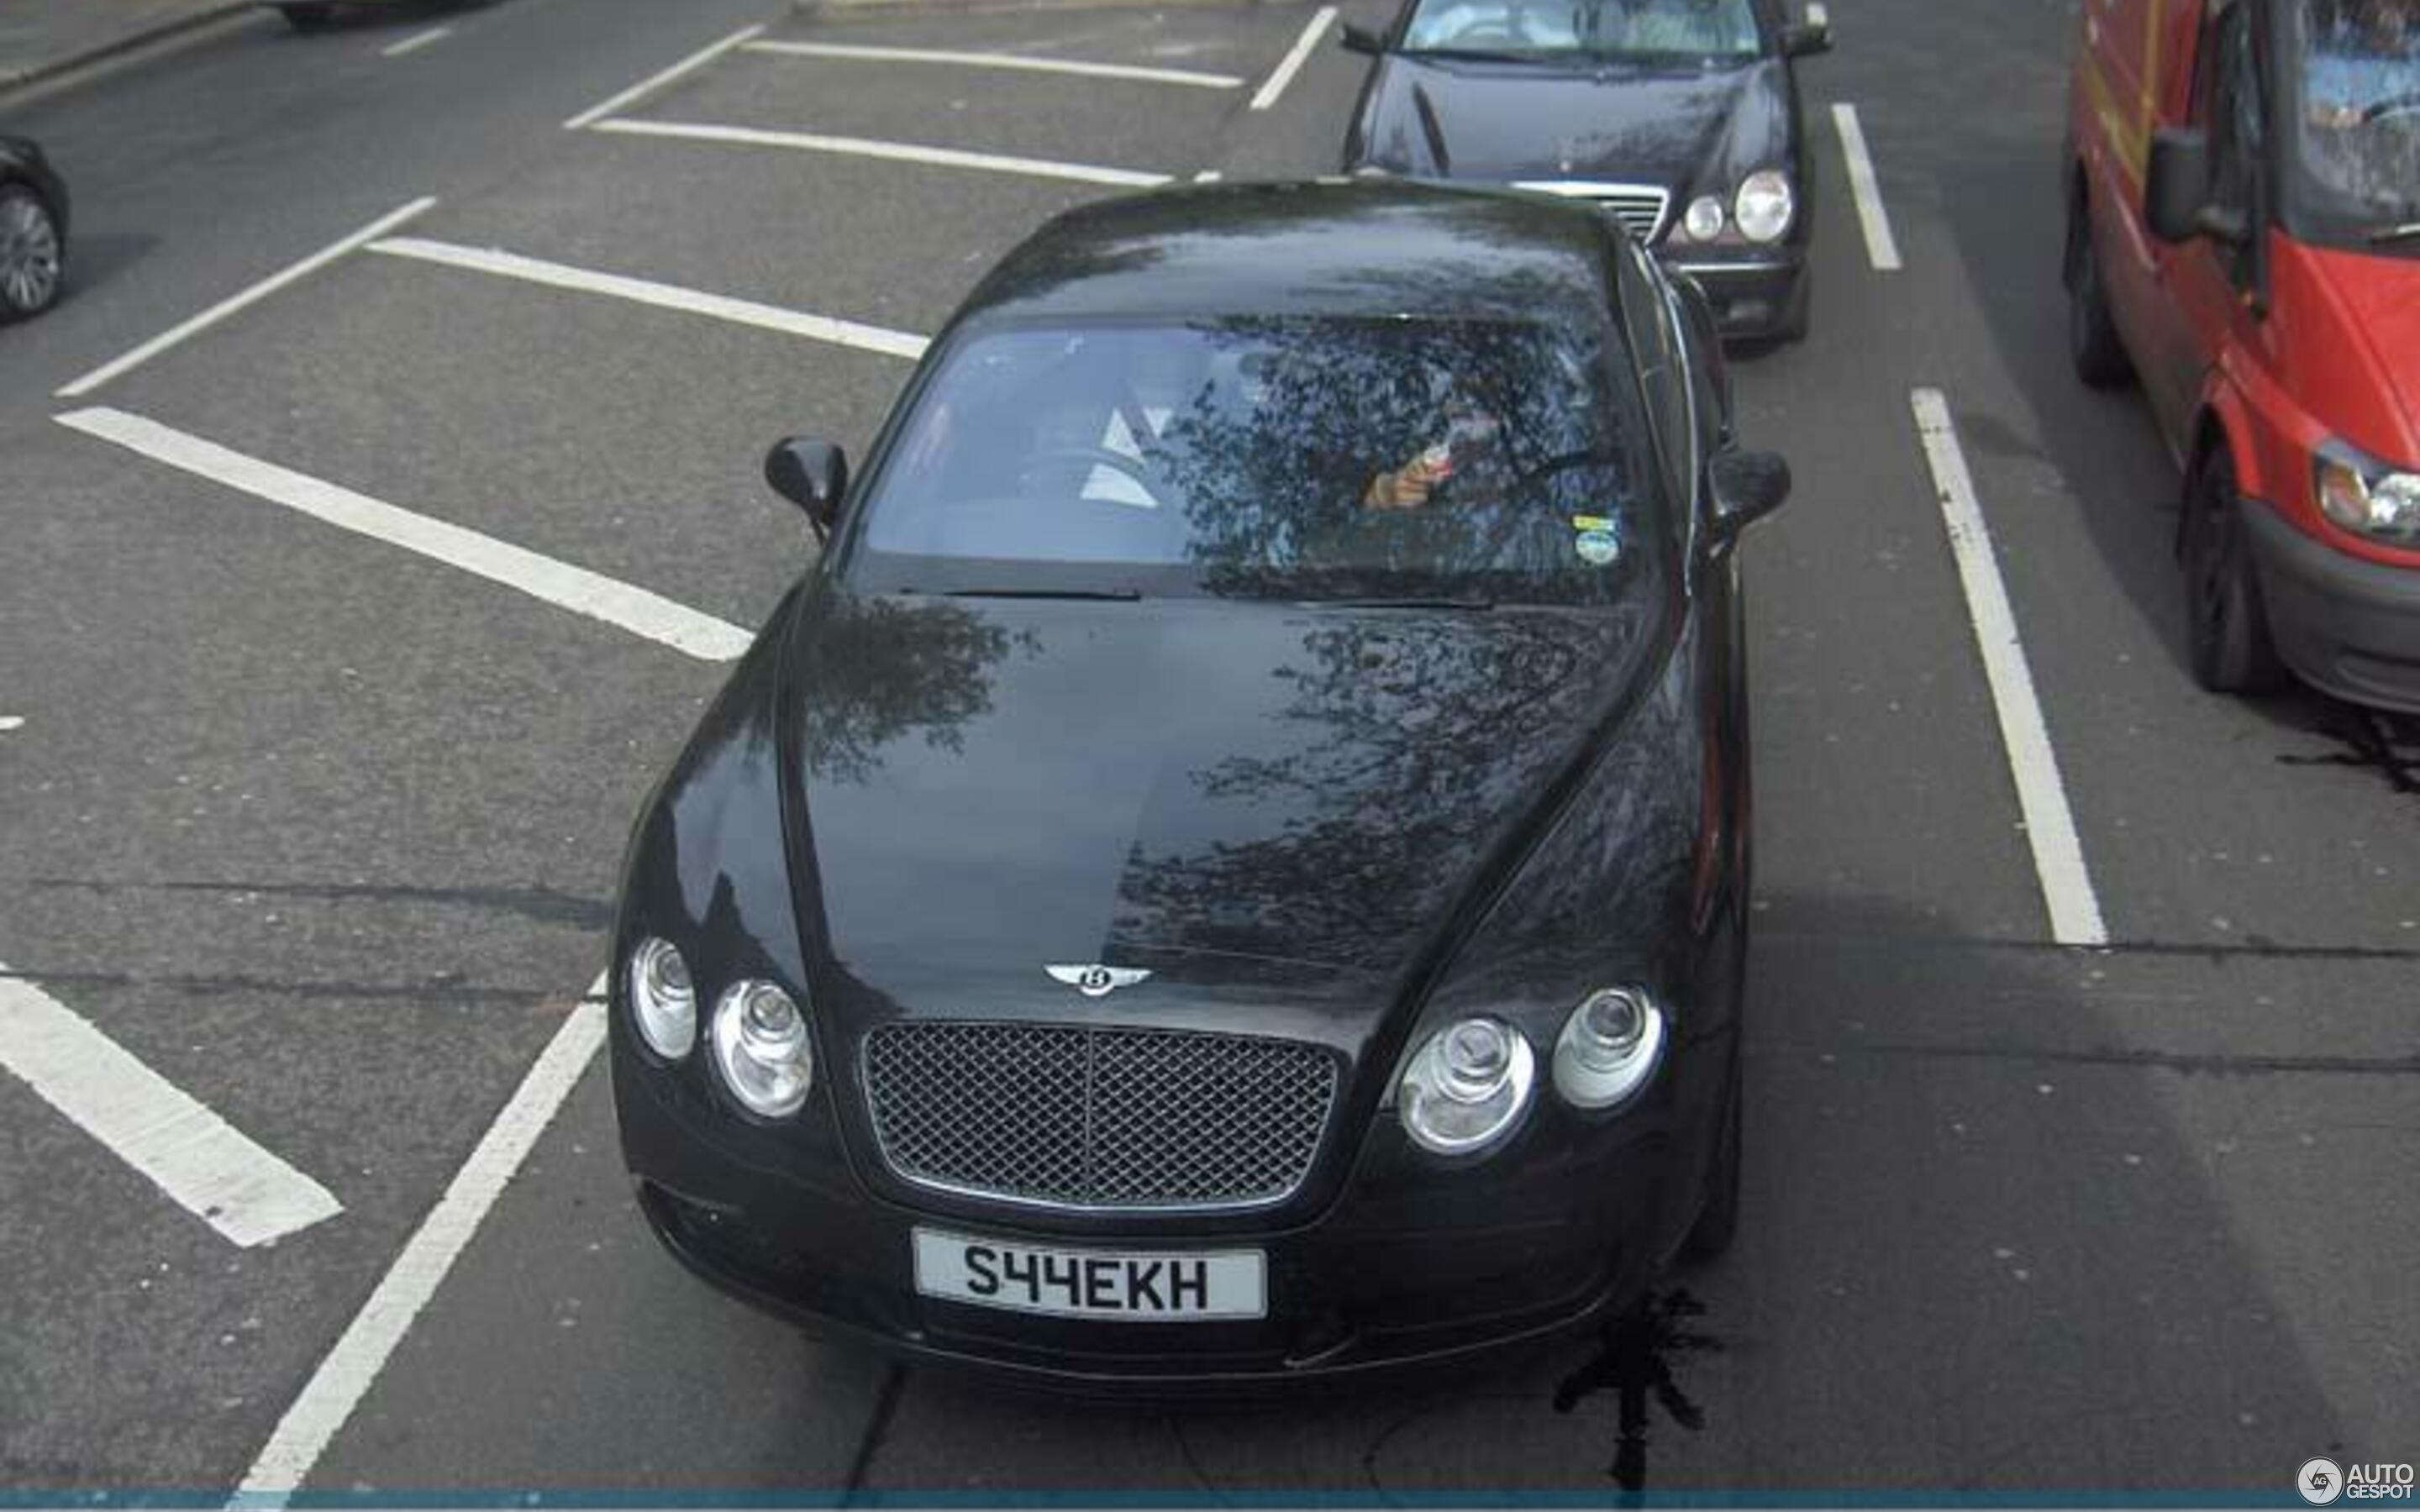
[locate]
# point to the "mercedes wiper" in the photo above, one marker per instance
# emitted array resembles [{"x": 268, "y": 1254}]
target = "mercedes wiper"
[
  {"x": 1114, "y": 596},
  {"x": 1466, "y": 605},
  {"x": 1480, "y": 55}
]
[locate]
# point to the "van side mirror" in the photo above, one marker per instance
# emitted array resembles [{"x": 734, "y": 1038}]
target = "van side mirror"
[
  {"x": 811, "y": 473},
  {"x": 1805, "y": 39},
  {"x": 1748, "y": 486},
  {"x": 1356, "y": 39},
  {"x": 2176, "y": 188}
]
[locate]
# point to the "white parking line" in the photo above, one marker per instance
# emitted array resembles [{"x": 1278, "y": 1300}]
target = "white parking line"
[
  {"x": 414, "y": 43},
  {"x": 1000, "y": 60},
  {"x": 649, "y": 85},
  {"x": 1881, "y": 246},
  {"x": 559, "y": 583},
  {"x": 1817, "y": 16},
  {"x": 2050, "y": 828},
  {"x": 254, "y": 295},
  {"x": 338, "y": 1386},
  {"x": 662, "y": 296},
  {"x": 11, "y": 721},
  {"x": 1291, "y": 63},
  {"x": 893, "y": 151},
  {"x": 199, "y": 1159},
  {"x": 1207, "y": 176}
]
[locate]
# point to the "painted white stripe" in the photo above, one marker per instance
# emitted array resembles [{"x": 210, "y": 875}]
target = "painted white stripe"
[
  {"x": 1207, "y": 176},
  {"x": 1291, "y": 63},
  {"x": 254, "y": 295},
  {"x": 338, "y": 1386},
  {"x": 200, "y": 1160},
  {"x": 662, "y": 296},
  {"x": 2050, "y": 828},
  {"x": 1817, "y": 16},
  {"x": 891, "y": 151},
  {"x": 11, "y": 721},
  {"x": 577, "y": 589},
  {"x": 1881, "y": 246},
  {"x": 413, "y": 45},
  {"x": 1020, "y": 62},
  {"x": 654, "y": 81}
]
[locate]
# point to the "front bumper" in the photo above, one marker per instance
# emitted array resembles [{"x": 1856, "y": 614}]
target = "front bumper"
[
  {"x": 1754, "y": 296},
  {"x": 2347, "y": 627},
  {"x": 1402, "y": 1269}
]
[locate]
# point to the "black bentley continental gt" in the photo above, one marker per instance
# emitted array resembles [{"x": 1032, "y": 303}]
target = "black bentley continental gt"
[
  {"x": 1232, "y": 866},
  {"x": 1678, "y": 117}
]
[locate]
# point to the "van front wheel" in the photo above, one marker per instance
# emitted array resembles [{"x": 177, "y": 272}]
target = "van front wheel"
[{"x": 2092, "y": 341}]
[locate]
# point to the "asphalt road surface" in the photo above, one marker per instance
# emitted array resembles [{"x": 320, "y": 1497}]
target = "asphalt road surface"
[{"x": 2084, "y": 1049}]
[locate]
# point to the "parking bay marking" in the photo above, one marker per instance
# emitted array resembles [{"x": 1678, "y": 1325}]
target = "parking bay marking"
[
  {"x": 662, "y": 296},
  {"x": 203, "y": 1162},
  {"x": 2042, "y": 795},
  {"x": 414, "y": 43},
  {"x": 254, "y": 295},
  {"x": 1295, "y": 56},
  {"x": 559, "y": 583},
  {"x": 655, "y": 81},
  {"x": 1882, "y": 248},
  {"x": 336, "y": 1387},
  {"x": 893, "y": 151},
  {"x": 1188, "y": 77}
]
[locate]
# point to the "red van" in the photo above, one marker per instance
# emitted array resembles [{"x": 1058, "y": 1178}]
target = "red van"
[{"x": 2243, "y": 236}]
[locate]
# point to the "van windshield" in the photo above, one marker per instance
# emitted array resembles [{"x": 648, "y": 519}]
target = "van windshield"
[{"x": 2354, "y": 139}]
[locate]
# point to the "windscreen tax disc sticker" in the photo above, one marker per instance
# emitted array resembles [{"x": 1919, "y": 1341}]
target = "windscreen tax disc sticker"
[{"x": 1597, "y": 548}]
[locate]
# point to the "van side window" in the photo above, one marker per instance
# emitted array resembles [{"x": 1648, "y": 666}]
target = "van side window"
[{"x": 2231, "y": 112}]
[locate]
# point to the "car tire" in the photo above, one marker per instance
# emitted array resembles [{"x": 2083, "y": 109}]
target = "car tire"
[
  {"x": 2092, "y": 341},
  {"x": 33, "y": 254},
  {"x": 1717, "y": 1222},
  {"x": 308, "y": 15},
  {"x": 2226, "y": 629}
]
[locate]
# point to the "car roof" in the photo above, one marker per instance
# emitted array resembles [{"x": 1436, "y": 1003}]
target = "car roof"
[{"x": 1369, "y": 247}]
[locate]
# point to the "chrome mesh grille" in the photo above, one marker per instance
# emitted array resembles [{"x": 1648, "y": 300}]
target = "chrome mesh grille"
[
  {"x": 1639, "y": 207},
  {"x": 1097, "y": 1118}
]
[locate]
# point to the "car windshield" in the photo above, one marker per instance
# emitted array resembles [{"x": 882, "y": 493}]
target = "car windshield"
[
  {"x": 1667, "y": 31},
  {"x": 2356, "y": 141},
  {"x": 1321, "y": 458}
]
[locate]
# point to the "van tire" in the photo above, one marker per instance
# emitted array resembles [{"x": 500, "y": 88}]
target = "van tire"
[
  {"x": 2092, "y": 341},
  {"x": 2226, "y": 629},
  {"x": 307, "y": 15}
]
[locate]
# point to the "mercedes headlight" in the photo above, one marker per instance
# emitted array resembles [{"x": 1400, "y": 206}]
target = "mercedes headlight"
[
  {"x": 1704, "y": 220},
  {"x": 1764, "y": 205},
  {"x": 2366, "y": 496},
  {"x": 663, "y": 1001},
  {"x": 1609, "y": 1047},
  {"x": 1467, "y": 1086},
  {"x": 761, "y": 1047}
]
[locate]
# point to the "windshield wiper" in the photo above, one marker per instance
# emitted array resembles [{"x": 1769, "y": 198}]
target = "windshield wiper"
[
  {"x": 1466, "y": 605},
  {"x": 1114, "y": 596},
  {"x": 2408, "y": 231},
  {"x": 1480, "y": 55}
]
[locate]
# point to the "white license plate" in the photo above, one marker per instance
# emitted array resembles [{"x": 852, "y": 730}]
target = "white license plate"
[{"x": 1133, "y": 1286}]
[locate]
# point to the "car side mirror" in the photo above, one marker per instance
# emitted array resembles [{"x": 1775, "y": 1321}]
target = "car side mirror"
[
  {"x": 811, "y": 473},
  {"x": 2175, "y": 190},
  {"x": 1748, "y": 486},
  {"x": 1356, "y": 39}
]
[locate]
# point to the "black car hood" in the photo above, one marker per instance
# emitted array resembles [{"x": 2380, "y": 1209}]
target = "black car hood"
[
  {"x": 1685, "y": 131},
  {"x": 1237, "y": 793}
]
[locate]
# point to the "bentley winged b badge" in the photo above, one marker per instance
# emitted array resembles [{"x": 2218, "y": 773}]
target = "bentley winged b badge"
[{"x": 1097, "y": 980}]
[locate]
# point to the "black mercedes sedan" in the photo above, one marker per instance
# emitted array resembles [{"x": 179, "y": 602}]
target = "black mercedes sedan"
[
  {"x": 1678, "y": 117},
  {"x": 33, "y": 230},
  {"x": 1232, "y": 865}
]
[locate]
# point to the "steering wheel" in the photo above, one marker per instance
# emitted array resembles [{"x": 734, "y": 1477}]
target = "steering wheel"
[{"x": 1133, "y": 468}]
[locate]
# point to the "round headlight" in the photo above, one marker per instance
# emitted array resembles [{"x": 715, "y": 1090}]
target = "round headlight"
[
  {"x": 663, "y": 1002},
  {"x": 1609, "y": 1046},
  {"x": 1764, "y": 206},
  {"x": 1467, "y": 1086},
  {"x": 761, "y": 1047},
  {"x": 1704, "y": 220}
]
